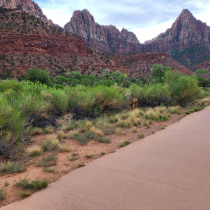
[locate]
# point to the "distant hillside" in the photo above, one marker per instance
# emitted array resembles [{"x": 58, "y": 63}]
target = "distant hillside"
[{"x": 190, "y": 56}]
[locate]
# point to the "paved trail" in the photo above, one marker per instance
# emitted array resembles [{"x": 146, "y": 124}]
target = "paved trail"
[{"x": 166, "y": 171}]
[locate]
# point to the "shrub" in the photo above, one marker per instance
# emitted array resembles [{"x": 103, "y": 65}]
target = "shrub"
[
  {"x": 49, "y": 170},
  {"x": 75, "y": 156},
  {"x": 151, "y": 95},
  {"x": 2, "y": 194},
  {"x": 80, "y": 165},
  {"x": 183, "y": 88},
  {"x": 189, "y": 112},
  {"x": 64, "y": 148},
  {"x": 196, "y": 109},
  {"x": 34, "y": 185},
  {"x": 141, "y": 136},
  {"x": 24, "y": 194},
  {"x": 125, "y": 143},
  {"x": 12, "y": 167},
  {"x": 48, "y": 160},
  {"x": 35, "y": 74},
  {"x": 109, "y": 130},
  {"x": 87, "y": 136},
  {"x": 88, "y": 156}
]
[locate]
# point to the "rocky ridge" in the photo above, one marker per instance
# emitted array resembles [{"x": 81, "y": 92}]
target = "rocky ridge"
[
  {"x": 102, "y": 38},
  {"x": 186, "y": 31},
  {"x": 141, "y": 64},
  {"x": 29, "y": 7}
]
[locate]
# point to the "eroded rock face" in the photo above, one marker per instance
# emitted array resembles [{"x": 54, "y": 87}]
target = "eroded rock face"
[
  {"x": 37, "y": 44},
  {"x": 102, "y": 38},
  {"x": 184, "y": 32},
  {"x": 29, "y": 7}
]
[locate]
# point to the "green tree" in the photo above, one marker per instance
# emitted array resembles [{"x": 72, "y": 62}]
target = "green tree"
[
  {"x": 158, "y": 73},
  {"x": 35, "y": 74}
]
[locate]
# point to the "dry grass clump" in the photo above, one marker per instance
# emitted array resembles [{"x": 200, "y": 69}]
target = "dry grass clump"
[
  {"x": 113, "y": 119},
  {"x": 128, "y": 123},
  {"x": 99, "y": 132},
  {"x": 160, "y": 109},
  {"x": 49, "y": 130},
  {"x": 37, "y": 131},
  {"x": 202, "y": 102},
  {"x": 64, "y": 148},
  {"x": 102, "y": 122},
  {"x": 134, "y": 130},
  {"x": 136, "y": 122},
  {"x": 88, "y": 156},
  {"x": 123, "y": 116},
  {"x": 52, "y": 143},
  {"x": 34, "y": 151},
  {"x": 121, "y": 123},
  {"x": 84, "y": 125},
  {"x": 174, "y": 110},
  {"x": 65, "y": 123},
  {"x": 157, "y": 114},
  {"x": 120, "y": 131},
  {"x": 61, "y": 135},
  {"x": 146, "y": 123}
]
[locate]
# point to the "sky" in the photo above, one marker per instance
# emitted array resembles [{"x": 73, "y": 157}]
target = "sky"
[{"x": 146, "y": 18}]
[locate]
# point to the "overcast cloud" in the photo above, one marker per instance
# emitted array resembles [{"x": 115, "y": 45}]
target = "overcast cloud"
[{"x": 146, "y": 18}]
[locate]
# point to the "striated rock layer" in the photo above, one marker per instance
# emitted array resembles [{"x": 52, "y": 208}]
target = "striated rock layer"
[
  {"x": 184, "y": 32},
  {"x": 39, "y": 44},
  {"x": 27, "y": 6},
  {"x": 102, "y": 38}
]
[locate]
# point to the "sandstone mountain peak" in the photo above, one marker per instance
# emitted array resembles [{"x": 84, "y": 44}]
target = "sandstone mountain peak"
[
  {"x": 184, "y": 32},
  {"x": 99, "y": 37},
  {"x": 27, "y": 6}
]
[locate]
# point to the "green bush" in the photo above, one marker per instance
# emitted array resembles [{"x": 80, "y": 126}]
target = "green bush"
[
  {"x": 35, "y": 74},
  {"x": 12, "y": 167},
  {"x": 183, "y": 88},
  {"x": 34, "y": 185},
  {"x": 151, "y": 95}
]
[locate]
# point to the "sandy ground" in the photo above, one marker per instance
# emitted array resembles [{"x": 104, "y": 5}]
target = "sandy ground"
[{"x": 65, "y": 166}]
